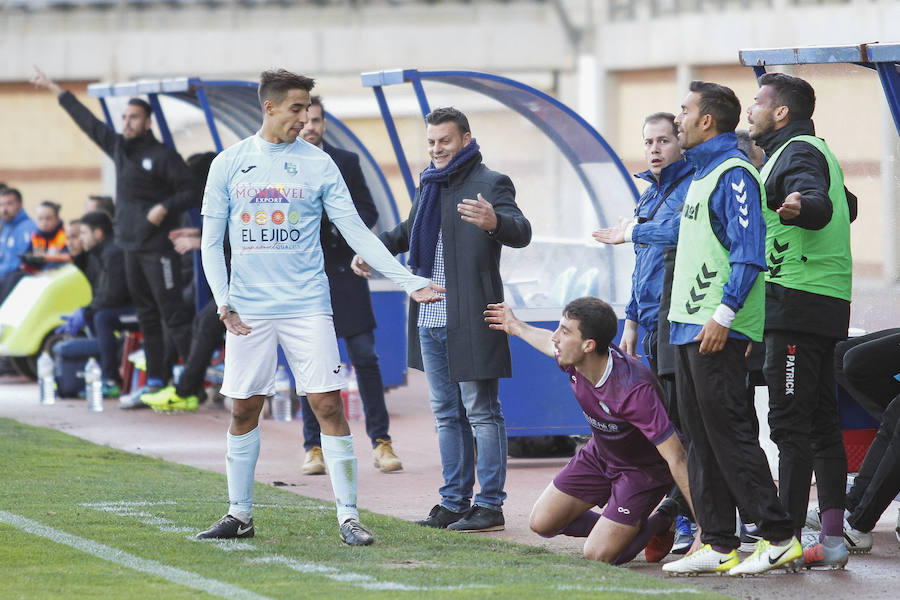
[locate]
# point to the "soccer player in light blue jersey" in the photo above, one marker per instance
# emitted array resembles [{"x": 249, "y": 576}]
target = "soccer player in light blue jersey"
[{"x": 269, "y": 191}]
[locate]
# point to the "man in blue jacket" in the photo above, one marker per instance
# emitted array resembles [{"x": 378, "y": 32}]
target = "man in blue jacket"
[
  {"x": 718, "y": 304},
  {"x": 15, "y": 235}
]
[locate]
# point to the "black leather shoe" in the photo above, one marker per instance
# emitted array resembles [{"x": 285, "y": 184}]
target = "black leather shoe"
[
  {"x": 354, "y": 534},
  {"x": 479, "y": 518},
  {"x": 226, "y": 528},
  {"x": 440, "y": 517}
]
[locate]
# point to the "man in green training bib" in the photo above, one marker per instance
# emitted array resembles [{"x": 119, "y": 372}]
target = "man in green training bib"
[
  {"x": 717, "y": 307},
  {"x": 808, "y": 212}
]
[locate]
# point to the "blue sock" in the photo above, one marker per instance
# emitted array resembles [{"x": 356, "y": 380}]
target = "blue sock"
[
  {"x": 240, "y": 467},
  {"x": 341, "y": 462}
]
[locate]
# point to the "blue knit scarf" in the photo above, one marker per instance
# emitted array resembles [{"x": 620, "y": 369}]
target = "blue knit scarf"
[{"x": 427, "y": 223}]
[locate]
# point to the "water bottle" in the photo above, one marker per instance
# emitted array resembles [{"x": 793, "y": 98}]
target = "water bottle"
[
  {"x": 93, "y": 385},
  {"x": 281, "y": 403},
  {"x": 45, "y": 378},
  {"x": 353, "y": 406}
]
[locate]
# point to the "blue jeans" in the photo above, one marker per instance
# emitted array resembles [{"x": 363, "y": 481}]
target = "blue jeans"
[
  {"x": 463, "y": 412},
  {"x": 361, "y": 350},
  {"x": 106, "y": 324}
]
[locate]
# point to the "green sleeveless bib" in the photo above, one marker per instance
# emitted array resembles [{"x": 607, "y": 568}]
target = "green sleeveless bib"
[
  {"x": 701, "y": 262},
  {"x": 817, "y": 261}
]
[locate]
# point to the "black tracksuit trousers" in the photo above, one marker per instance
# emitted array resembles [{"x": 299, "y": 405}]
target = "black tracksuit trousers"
[
  {"x": 804, "y": 421},
  {"x": 878, "y": 481},
  {"x": 155, "y": 285},
  {"x": 726, "y": 465}
]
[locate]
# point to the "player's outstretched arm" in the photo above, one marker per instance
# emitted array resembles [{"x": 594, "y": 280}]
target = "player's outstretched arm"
[
  {"x": 501, "y": 317},
  {"x": 673, "y": 453}
]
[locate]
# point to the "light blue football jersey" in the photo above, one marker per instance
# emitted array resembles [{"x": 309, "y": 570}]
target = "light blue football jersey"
[{"x": 272, "y": 196}]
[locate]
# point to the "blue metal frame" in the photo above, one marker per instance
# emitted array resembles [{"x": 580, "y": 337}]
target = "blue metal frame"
[
  {"x": 883, "y": 58},
  {"x": 469, "y": 80}
]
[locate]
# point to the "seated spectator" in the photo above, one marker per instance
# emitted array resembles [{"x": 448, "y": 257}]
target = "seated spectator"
[
  {"x": 76, "y": 250},
  {"x": 865, "y": 366},
  {"x": 15, "y": 235},
  {"x": 49, "y": 244},
  {"x": 111, "y": 301},
  {"x": 101, "y": 203}
]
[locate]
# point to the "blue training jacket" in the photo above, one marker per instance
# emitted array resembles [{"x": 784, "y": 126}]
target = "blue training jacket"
[
  {"x": 652, "y": 236},
  {"x": 746, "y": 245},
  {"x": 15, "y": 238}
]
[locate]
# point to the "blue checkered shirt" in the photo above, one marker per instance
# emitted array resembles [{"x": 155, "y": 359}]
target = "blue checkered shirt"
[{"x": 435, "y": 314}]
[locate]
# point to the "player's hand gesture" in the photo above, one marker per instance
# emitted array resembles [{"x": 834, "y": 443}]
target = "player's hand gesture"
[
  {"x": 427, "y": 295},
  {"x": 478, "y": 212},
  {"x": 360, "y": 267},
  {"x": 42, "y": 81},
  {"x": 233, "y": 322}
]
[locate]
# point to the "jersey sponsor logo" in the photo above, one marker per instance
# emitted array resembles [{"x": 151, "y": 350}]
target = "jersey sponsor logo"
[
  {"x": 790, "y": 362},
  {"x": 267, "y": 193},
  {"x": 245, "y": 218},
  {"x": 600, "y": 425},
  {"x": 293, "y": 217},
  {"x": 147, "y": 164},
  {"x": 269, "y": 235},
  {"x": 248, "y": 169},
  {"x": 261, "y": 217},
  {"x": 691, "y": 211},
  {"x": 277, "y": 217},
  {"x": 624, "y": 510},
  {"x": 337, "y": 369},
  {"x": 290, "y": 168}
]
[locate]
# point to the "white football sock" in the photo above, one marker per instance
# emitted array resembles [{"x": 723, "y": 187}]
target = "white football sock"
[
  {"x": 338, "y": 453},
  {"x": 240, "y": 467}
]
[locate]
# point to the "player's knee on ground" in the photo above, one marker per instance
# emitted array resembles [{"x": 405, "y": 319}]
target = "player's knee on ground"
[
  {"x": 541, "y": 523},
  {"x": 599, "y": 552}
]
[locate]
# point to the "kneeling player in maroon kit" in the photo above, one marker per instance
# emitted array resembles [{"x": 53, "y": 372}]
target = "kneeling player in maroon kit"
[{"x": 633, "y": 455}]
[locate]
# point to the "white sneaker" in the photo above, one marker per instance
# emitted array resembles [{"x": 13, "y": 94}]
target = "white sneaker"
[
  {"x": 704, "y": 560},
  {"x": 813, "y": 520},
  {"x": 767, "y": 556}
]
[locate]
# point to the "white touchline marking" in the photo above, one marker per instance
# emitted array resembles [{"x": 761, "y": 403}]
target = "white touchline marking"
[
  {"x": 641, "y": 591},
  {"x": 144, "y": 565},
  {"x": 364, "y": 581}
]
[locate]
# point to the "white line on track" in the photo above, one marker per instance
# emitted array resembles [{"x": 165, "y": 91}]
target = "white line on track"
[
  {"x": 114, "y": 555},
  {"x": 621, "y": 590}
]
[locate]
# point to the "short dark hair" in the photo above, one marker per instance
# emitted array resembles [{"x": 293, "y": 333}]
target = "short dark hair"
[
  {"x": 317, "y": 101},
  {"x": 199, "y": 165},
  {"x": 98, "y": 220},
  {"x": 106, "y": 204},
  {"x": 148, "y": 110},
  {"x": 275, "y": 84},
  {"x": 10, "y": 191},
  {"x": 74, "y": 221},
  {"x": 52, "y": 206},
  {"x": 596, "y": 320},
  {"x": 720, "y": 102},
  {"x": 793, "y": 92},
  {"x": 661, "y": 116},
  {"x": 447, "y": 114},
  {"x": 745, "y": 143}
]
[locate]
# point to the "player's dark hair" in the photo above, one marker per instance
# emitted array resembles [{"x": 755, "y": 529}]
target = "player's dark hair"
[
  {"x": 793, "y": 92},
  {"x": 275, "y": 84},
  {"x": 448, "y": 114},
  {"x": 148, "y": 111},
  {"x": 317, "y": 101},
  {"x": 596, "y": 320},
  {"x": 10, "y": 191},
  {"x": 98, "y": 220},
  {"x": 661, "y": 116},
  {"x": 106, "y": 204},
  {"x": 720, "y": 102},
  {"x": 52, "y": 206}
]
